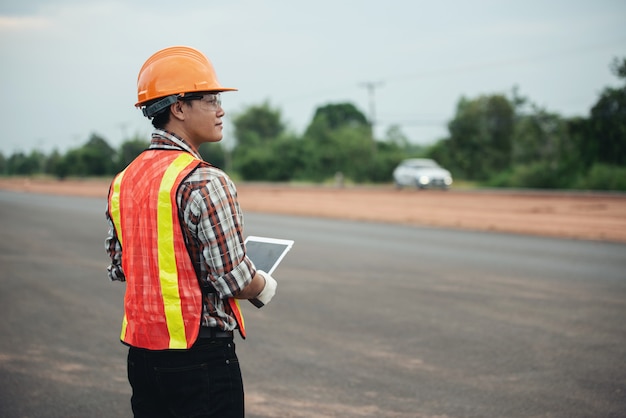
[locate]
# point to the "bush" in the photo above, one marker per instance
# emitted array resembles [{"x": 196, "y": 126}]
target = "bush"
[
  {"x": 502, "y": 179},
  {"x": 603, "y": 177},
  {"x": 539, "y": 175}
]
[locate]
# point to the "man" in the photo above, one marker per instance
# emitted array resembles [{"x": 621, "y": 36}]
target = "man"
[{"x": 176, "y": 239}]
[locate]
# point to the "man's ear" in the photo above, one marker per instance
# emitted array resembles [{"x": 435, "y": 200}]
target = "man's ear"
[{"x": 178, "y": 110}]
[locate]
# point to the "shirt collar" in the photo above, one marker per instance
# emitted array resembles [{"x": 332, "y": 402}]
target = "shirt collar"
[{"x": 167, "y": 140}]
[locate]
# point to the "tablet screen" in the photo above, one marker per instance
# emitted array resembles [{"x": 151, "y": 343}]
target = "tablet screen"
[{"x": 267, "y": 253}]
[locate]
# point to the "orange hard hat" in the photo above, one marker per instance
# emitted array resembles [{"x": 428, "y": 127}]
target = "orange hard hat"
[{"x": 175, "y": 71}]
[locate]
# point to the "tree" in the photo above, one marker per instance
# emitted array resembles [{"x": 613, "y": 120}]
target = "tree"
[
  {"x": 292, "y": 159},
  {"x": 98, "y": 156},
  {"x": 338, "y": 139},
  {"x": 480, "y": 136},
  {"x": 440, "y": 152},
  {"x": 214, "y": 153},
  {"x": 95, "y": 158},
  {"x": 261, "y": 136},
  {"x": 25, "y": 165},
  {"x": 339, "y": 115},
  {"x": 539, "y": 136},
  {"x": 52, "y": 162},
  {"x": 258, "y": 125},
  {"x": 129, "y": 150},
  {"x": 608, "y": 121}
]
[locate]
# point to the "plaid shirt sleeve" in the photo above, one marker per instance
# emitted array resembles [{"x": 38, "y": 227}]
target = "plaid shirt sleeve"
[
  {"x": 114, "y": 249},
  {"x": 210, "y": 210}
]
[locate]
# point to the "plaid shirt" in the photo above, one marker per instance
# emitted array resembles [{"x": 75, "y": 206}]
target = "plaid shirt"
[{"x": 212, "y": 224}]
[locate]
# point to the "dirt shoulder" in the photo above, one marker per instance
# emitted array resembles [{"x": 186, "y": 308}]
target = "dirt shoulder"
[{"x": 589, "y": 216}]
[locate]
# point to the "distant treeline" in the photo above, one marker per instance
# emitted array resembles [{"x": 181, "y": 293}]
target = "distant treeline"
[{"x": 494, "y": 140}]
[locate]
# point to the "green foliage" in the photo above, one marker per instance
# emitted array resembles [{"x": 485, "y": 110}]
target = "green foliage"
[
  {"x": 603, "y": 177},
  {"x": 254, "y": 164},
  {"x": 618, "y": 67},
  {"x": 538, "y": 136},
  {"x": 581, "y": 150},
  {"x": 339, "y": 143},
  {"x": 338, "y": 140},
  {"x": 513, "y": 143},
  {"x": 258, "y": 125},
  {"x": 541, "y": 175},
  {"x": 387, "y": 157},
  {"x": 52, "y": 162},
  {"x": 129, "y": 150},
  {"x": 608, "y": 126},
  {"x": 215, "y": 154},
  {"x": 98, "y": 156},
  {"x": 480, "y": 136},
  {"x": 338, "y": 115},
  {"x": 257, "y": 130},
  {"x": 536, "y": 175},
  {"x": 25, "y": 165},
  {"x": 440, "y": 152},
  {"x": 289, "y": 159},
  {"x": 95, "y": 158},
  {"x": 350, "y": 152}
]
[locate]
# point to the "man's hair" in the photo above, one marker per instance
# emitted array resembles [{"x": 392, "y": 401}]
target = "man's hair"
[{"x": 163, "y": 117}]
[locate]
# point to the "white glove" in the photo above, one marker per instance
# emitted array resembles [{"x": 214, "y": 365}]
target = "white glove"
[{"x": 268, "y": 292}]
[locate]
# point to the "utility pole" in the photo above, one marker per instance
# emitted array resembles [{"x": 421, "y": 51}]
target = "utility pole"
[{"x": 371, "y": 90}]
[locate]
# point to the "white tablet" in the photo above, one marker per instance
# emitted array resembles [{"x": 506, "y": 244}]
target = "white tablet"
[{"x": 267, "y": 253}]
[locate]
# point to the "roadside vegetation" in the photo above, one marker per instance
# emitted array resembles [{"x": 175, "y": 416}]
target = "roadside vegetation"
[{"x": 495, "y": 140}]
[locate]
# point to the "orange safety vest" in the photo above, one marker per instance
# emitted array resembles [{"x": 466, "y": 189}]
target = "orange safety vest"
[{"x": 163, "y": 299}]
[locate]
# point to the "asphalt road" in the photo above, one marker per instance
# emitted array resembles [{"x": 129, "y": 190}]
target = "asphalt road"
[{"x": 370, "y": 320}]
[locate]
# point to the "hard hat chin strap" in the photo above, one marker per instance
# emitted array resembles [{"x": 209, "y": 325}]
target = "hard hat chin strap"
[{"x": 154, "y": 108}]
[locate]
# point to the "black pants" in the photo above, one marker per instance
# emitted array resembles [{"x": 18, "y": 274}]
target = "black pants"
[{"x": 204, "y": 381}]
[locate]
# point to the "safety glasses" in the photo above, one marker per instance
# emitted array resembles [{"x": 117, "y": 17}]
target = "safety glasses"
[{"x": 214, "y": 100}]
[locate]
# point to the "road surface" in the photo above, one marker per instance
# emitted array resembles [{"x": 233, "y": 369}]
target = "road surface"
[{"x": 370, "y": 320}]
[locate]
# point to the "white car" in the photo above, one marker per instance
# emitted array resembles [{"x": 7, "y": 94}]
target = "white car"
[{"x": 422, "y": 173}]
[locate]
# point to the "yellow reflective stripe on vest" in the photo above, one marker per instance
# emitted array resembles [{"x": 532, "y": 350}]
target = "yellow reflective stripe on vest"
[
  {"x": 167, "y": 260},
  {"x": 236, "y": 308},
  {"x": 114, "y": 210}
]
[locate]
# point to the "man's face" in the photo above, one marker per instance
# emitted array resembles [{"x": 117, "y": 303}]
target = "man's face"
[{"x": 203, "y": 118}]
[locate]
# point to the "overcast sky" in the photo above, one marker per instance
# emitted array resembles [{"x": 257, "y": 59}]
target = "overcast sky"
[{"x": 69, "y": 67}]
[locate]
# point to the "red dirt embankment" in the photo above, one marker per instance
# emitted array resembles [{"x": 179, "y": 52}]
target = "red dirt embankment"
[{"x": 591, "y": 216}]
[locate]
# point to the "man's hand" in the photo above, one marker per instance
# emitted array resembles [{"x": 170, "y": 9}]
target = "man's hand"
[{"x": 268, "y": 292}]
